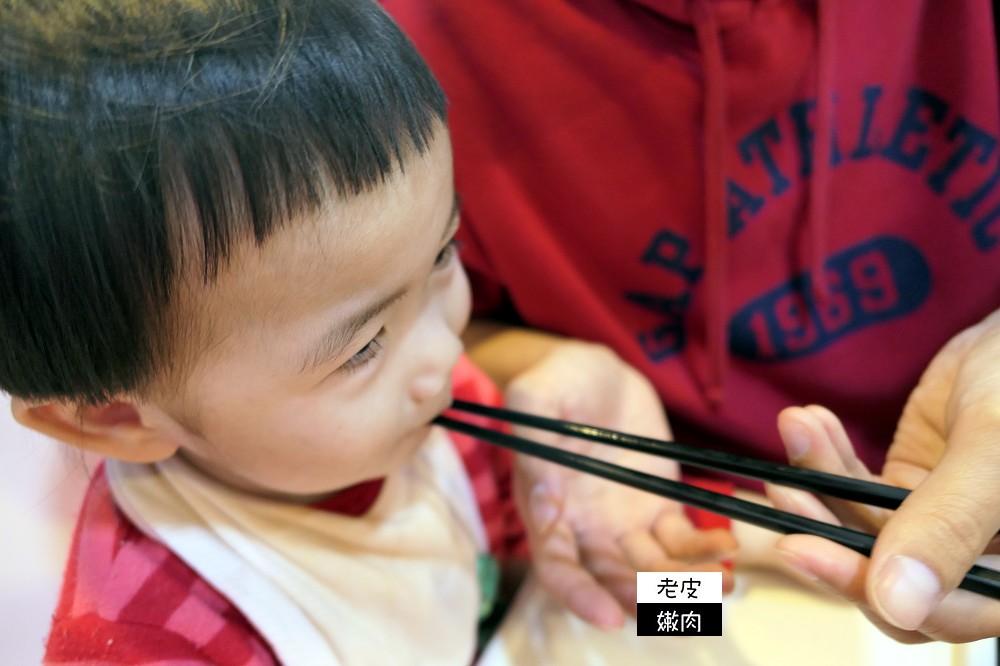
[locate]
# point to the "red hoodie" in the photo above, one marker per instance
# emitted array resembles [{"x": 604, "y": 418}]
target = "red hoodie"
[{"x": 759, "y": 204}]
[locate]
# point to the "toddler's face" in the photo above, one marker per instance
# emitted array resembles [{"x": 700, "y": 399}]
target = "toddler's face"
[{"x": 332, "y": 344}]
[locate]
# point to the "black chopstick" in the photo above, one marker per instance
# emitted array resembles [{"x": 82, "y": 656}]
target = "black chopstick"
[
  {"x": 979, "y": 579},
  {"x": 855, "y": 490}
]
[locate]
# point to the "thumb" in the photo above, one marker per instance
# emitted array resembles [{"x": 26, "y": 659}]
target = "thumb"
[{"x": 930, "y": 542}]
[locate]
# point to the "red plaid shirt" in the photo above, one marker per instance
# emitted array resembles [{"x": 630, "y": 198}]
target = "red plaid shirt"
[{"x": 126, "y": 599}]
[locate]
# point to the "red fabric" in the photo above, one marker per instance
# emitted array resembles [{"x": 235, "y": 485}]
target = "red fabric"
[
  {"x": 354, "y": 501},
  {"x": 580, "y": 154},
  {"x": 126, "y": 599},
  {"x": 490, "y": 468},
  {"x": 706, "y": 520}
]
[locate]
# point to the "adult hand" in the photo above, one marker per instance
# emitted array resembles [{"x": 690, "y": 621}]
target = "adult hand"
[
  {"x": 588, "y": 535},
  {"x": 946, "y": 450}
]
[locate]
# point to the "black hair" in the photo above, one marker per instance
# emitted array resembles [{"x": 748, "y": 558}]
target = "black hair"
[{"x": 127, "y": 126}]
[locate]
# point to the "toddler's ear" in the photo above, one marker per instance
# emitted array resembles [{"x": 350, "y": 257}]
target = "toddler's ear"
[{"x": 113, "y": 429}]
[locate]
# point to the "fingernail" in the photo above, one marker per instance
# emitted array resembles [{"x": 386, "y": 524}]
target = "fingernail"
[
  {"x": 798, "y": 442},
  {"x": 906, "y": 591},
  {"x": 543, "y": 508}
]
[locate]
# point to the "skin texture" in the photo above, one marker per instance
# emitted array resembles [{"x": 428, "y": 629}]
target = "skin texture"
[
  {"x": 276, "y": 404},
  {"x": 589, "y": 536},
  {"x": 273, "y": 402},
  {"x": 945, "y": 450}
]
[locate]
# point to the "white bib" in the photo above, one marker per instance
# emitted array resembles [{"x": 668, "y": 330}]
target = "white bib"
[{"x": 395, "y": 586}]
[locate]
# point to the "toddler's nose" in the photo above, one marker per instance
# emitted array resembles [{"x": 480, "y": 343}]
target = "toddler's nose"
[
  {"x": 427, "y": 386},
  {"x": 435, "y": 370}
]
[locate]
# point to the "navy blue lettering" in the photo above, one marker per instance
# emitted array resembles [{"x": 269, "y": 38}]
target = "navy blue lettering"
[
  {"x": 881, "y": 279},
  {"x": 755, "y": 145},
  {"x": 668, "y": 250},
  {"x": 740, "y": 202},
  {"x": 805, "y": 135},
  {"x": 971, "y": 138},
  {"x": 835, "y": 155},
  {"x": 964, "y": 207},
  {"x": 667, "y": 337},
  {"x": 912, "y": 124},
  {"x": 865, "y": 148},
  {"x": 982, "y": 230}
]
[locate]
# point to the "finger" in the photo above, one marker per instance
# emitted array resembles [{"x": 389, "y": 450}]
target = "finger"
[
  {"x": 533, "y": 391},
  {"x": 925, "y": 549},
  {"x": 681, "y": 540},
  {"x": 840, "y": 442},
  {"x": 841, "y": 572},
  {"x": 815, "y": 440},
  {"x": 961, "y": 616},
  {"x": 559, "y": 569},
  {"x": 644, "y": 553},
  {"x": 573, "y": 586},
  {"x": 800, "y": 502},
  {"x": 556, "y": 556},
  {"x": 814, "y": 437},
  {"x": 607, "y": 562},
  {"x": 949, "y": 425}
]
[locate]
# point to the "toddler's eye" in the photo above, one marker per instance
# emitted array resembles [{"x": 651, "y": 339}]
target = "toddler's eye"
[
  {"x": 365, "y": 354},
  {"x": 446, "y": 253}
]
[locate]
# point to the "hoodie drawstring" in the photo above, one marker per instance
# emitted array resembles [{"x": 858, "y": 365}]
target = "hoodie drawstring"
[
  {"x": 819, "y": 193},
  {"x": 715, "y": 205},
  {"x": 716, "y": 232}
]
